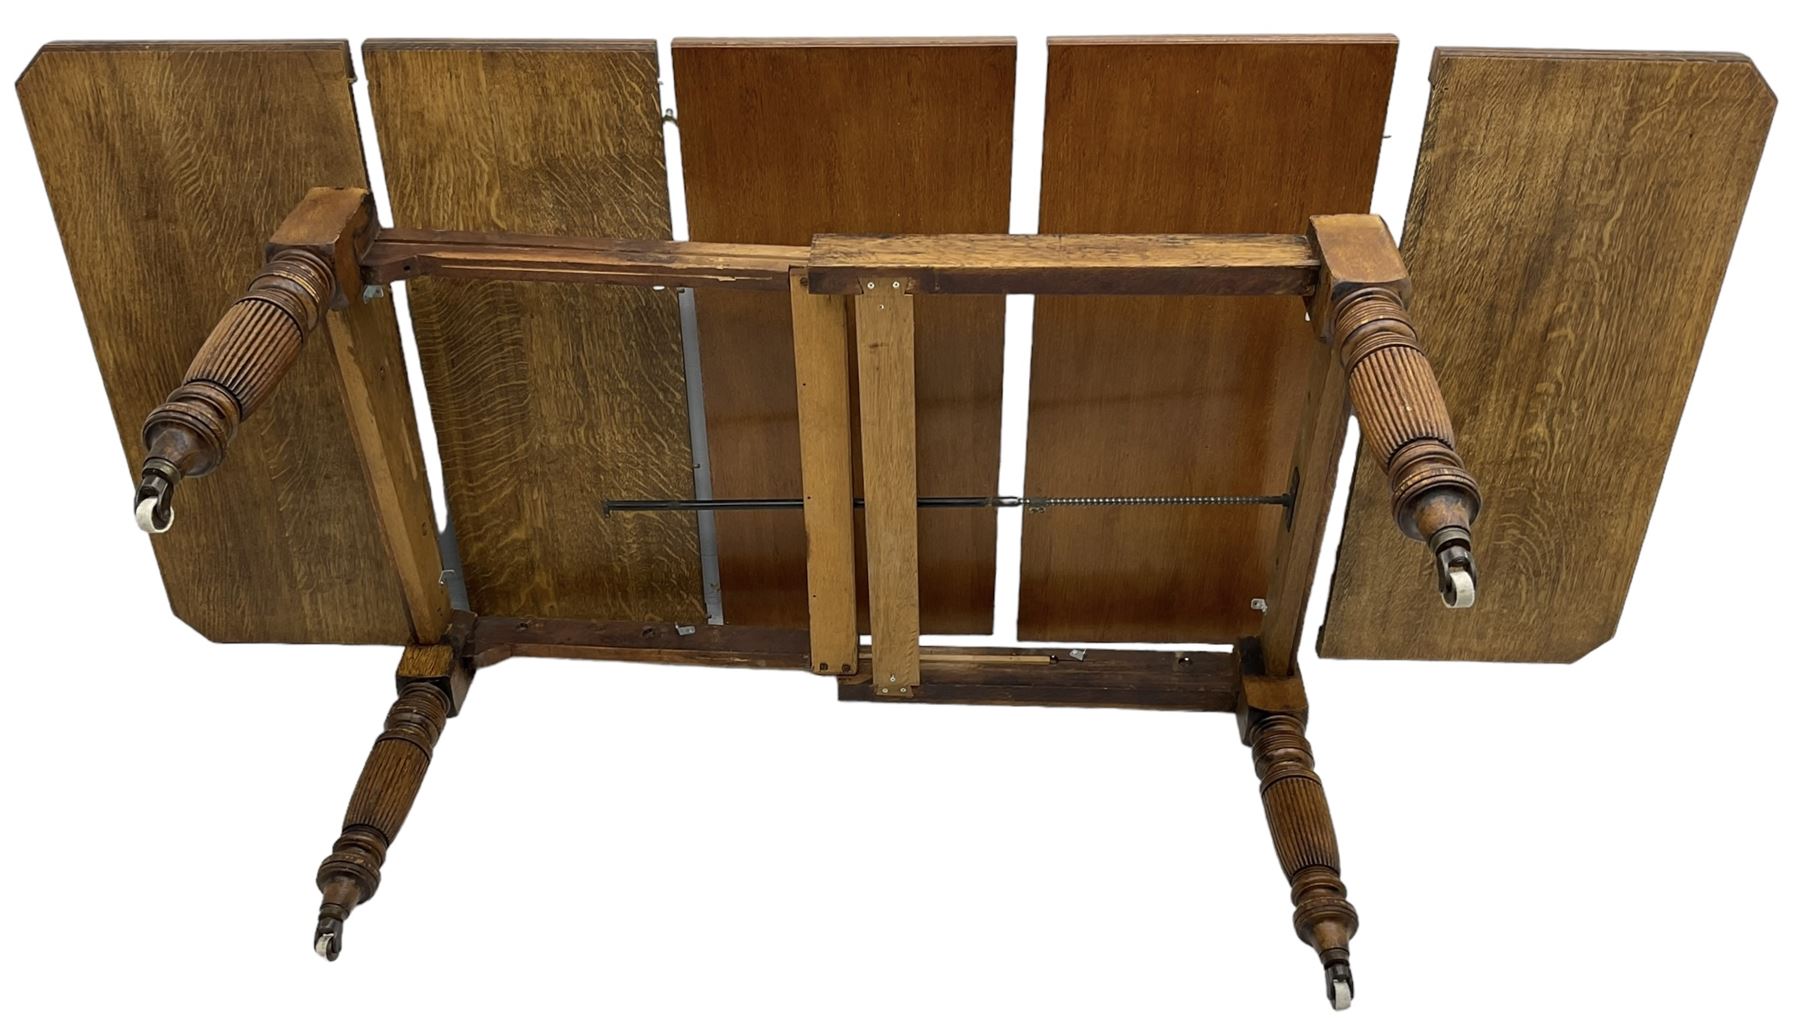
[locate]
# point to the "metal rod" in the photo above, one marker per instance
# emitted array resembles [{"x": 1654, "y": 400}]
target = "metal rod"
[
  {"x": 1000, "y": 501},
  {"x": 697, "y": 440}
]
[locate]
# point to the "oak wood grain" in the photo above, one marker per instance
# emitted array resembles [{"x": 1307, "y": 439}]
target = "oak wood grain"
[
  {"x": 1181, "y": 395},
  {"x": 378, "y": 404},
  {"x": 1294, "y": 560},
  {"x": 1068, "y": 264},
  {"x": 399, "y": 254},
  {"x": 782, "y": 140},
  {"x": 886, "y": 392},
  {"x": 168, "y": 166},
  {"x": 548, "y": 398},
  {"x": 822, "y": 383},
  {"x": 1565, "y": 267},
  {"x": 1156, "y": 680},
  {"x": 335, "y": 225},
  {"x": 1168, "y": 680}
]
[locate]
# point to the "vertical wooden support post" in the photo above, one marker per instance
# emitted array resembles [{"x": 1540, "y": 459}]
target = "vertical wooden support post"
[
  {"x": 1296, "y": 556},
  {"x": 372, "y": 371},
  {"x": 884, "y": 347},
  {"x": 377, "y": 402},
  {"x": 337, "y": 224},
  {"x": 822, "y": 380}
]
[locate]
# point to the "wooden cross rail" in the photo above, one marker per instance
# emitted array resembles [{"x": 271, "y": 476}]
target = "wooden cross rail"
[
  {"x": 1067, "y": 264},
  {"x": 837, "y": 264},
  {"x": 399, "y": 254},
  {"x": 1196, "y": 680},
  {"x": 1347, "y": 269}
]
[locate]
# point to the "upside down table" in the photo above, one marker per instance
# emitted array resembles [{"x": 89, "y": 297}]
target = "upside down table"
[{"x": 757, "y": 446}]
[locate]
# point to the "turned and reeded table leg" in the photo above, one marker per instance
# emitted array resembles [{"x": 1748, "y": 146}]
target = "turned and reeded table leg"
[
  {"x": 431, "y": 683},
  {"x": 1300, "y": 823},
  {"x": 1272, "y": 722}
]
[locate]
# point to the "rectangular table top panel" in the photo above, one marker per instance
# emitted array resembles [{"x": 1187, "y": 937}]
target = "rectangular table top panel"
[
  {"x": 548, "y": 398},
  {"x": 781, "y": 140},
  {"x": 1181, "y": 395},
  {"x": 1571, "y": 218},
  {"x": 168, "y": 166}
]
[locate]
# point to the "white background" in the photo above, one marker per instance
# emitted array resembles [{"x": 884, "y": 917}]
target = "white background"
[{"x": 1610, "y": 839}]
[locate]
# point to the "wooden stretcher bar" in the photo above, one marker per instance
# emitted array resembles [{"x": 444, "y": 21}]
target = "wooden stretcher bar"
[
  {"x": 1067, "y": 264},
  {"x": 402, "y": 254},
  {"x": 1201, "y": 680},
  {"x": 1266, "y": 264},
  {"x": 888, "y": 397},
  {"x": 824, "y": 404}
]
